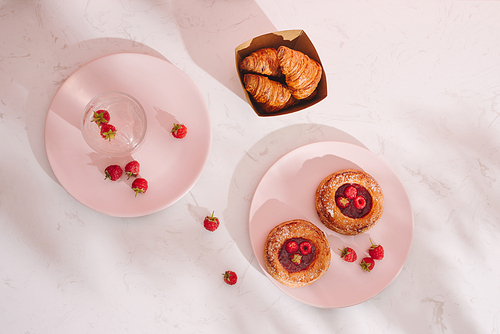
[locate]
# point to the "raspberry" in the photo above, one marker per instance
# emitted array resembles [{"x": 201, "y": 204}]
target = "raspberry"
[
  {"x": 296, "y": 259},
  {"x": 292, "y": 247},
  {"x": 230, "y": 277},
  {"x": 113, "y": 172},
  {"x": 305, "y": 247},
  {"x": 367, "y": 264},
  {"x": 342, "y": 202},
  {"x": 348, "y": 254},
  {"x": 359, "y": 202},
  {"x": 350, "y": 192},
  {"x": 376, "y": 251}
]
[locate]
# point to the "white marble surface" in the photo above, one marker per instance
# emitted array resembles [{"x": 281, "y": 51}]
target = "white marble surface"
[{"x": 416, "y": 82}]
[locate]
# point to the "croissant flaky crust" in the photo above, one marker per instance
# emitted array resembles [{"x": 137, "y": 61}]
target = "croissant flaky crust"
[
  {"x": 277, "y": 239},
  {"x": 264, "y": 61},
  {"x": 269, "y": 94},
  {"x": 301, "y": 72},
  {"x": 331, "y": 215}
]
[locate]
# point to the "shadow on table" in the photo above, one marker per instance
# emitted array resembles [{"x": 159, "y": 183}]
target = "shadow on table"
[
  {"x": 254, "y": 165},
  {"x": 211, "y": 31}
]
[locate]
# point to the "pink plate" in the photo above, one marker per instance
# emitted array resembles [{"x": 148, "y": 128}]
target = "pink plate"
[
  {"x": 287, "y": 191},
  {"x": 171, "y": 166}
]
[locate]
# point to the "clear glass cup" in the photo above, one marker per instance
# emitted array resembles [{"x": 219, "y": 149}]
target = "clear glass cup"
[{"x": 126, "y": 115}]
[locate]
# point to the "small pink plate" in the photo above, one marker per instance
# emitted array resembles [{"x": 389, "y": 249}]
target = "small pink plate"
[
  {"x": 287, "y": 191},
  {"x": 171, "y": 166}
]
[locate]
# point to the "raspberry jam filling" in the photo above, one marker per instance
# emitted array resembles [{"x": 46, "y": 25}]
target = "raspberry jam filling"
[
  {"x": 296, "y": 258},
  {"x": 353, "y": 200}
]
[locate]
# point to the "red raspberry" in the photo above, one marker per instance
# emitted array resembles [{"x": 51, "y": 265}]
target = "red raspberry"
[
  {"x": 211, "y": 223},
  {"x": 296, "y": 259},
  {"x": 108, "y": 131},
  {"x": 292, "y": 247},
  {"x": 350, "y": 192},
  {"x": 342, "y": 202},
  {"x": 230, "y": 277},
  {"x": 376, "y": 251},
  {"x": 179, "y": 131},
  {"x": 367, "y": 264},
  {"x": 305, "y": 247},
  {"x": 348, "y": 254},
  {"x": 139, "y": 185},
  {"x": 359, "y": 202},
  {"x": 113, "y": 172},
  {"x": 132, "y": 169}
]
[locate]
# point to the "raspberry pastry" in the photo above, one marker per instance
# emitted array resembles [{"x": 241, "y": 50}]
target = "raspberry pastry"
[
  {"x": 349, "y": 201},
  {"x": 296, "y": 253}
]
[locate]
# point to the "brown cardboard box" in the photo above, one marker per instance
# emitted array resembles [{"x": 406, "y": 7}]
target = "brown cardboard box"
[{"x": 294, "y": 39}]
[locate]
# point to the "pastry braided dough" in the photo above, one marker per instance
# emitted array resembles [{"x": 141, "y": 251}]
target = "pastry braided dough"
[
  {"x": 297, "y": 228},
  {"x": 263, "y": 61},
  {"x": 301, "y": 72},
  {"x": 270, "y": 95},
  {"x": 330, "y": 214}
]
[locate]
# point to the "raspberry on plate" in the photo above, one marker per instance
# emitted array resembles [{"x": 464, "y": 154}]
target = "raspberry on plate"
[
  {"x": 351, "y": 192},
  {"x": 359, "y": 202},
  {"x": 140, "y": 185},
  {"x": 292, "y": 247},
  {"x": 348, "y": 254},
  {"x": 132, "y": 169},
  {"x": 113, "y": 172},
  {"x": 367, "y": 264},
  {"x": 179, "y": 131},
  {"x": 305, "y": 247},
  {"x": 376, "y": 251}
]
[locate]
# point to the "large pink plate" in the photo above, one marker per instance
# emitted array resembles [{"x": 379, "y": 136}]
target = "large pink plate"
[
  {"x": 287, "y": 192},
  {"x": 170, "y": 165}
]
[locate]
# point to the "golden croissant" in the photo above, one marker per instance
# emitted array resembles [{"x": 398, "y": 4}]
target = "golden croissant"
[
  {"x": 264, "y": 61},
  {"x": 270, "y": 95},
  {"x": 302, "y": 74}
]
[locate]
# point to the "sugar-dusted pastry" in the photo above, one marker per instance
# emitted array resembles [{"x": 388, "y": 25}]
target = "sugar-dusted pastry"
[
  {"x": 263, "y": 61},
  {"x": 271, "y": 95},
  {"x": 349, "y": 201},
  {"x": 302, "y": 74},
  {"x": 297, "y": 253}
]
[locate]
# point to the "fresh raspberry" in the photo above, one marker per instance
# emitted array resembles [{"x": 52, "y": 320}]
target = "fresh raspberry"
[
  {"x": 348, "y": 254},
  {"x": 342, "y": 202},
  {"x": 230, "y": 277},
  {"x": 359, "y": 202},
  {"x": 292, "y": 247},
  {"x": 108, "y": 131},
  {"x": 101, "y": 117},
  {"x": 350, "y": 192},
  {"x": 132, "y": 169},
  {"x": 113, "y": 172},
  {"x": 376, "y": 251},
  {"x": 296, "y": 259},
  {"x": 367, "y": 264},
  {"x": 139, "y": 185},
  {"x": 305, "y": 247},
  {"x": 211, "y": 223},
  {"x": 179, "y": 131}
]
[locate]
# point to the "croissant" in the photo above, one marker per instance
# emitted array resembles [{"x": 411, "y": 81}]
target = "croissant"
[
  {"x": 302, "y": 74},
  {"x": 264, "y": 61},
  {"x": 270, "y": 95}
]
